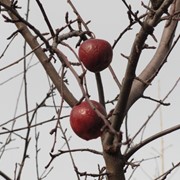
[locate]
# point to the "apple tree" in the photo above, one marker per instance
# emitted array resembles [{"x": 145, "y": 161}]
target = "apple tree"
[{"x": 73, "y": 89}]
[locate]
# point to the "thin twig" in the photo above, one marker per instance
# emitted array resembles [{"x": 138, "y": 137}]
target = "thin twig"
[
  {"x": 32, "y": 126},
  {"x": 164, "y": 175},
  {"x": 46, "y": 18},
  {"x": 158, "y": 101}
]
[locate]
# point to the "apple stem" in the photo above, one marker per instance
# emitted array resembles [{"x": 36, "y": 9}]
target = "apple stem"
[{"x": 100, "y": 88}]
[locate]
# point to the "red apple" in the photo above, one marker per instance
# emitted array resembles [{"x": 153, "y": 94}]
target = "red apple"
[
  {"x": 95, "y": 54},
  {"x": 84, "y": 120}
]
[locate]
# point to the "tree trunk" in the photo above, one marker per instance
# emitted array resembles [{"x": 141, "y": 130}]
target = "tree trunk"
[{"x": 114, "y": 165}]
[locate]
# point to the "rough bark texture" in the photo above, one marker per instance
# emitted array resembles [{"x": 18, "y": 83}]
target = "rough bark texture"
[{"x": 114, "y": 166}]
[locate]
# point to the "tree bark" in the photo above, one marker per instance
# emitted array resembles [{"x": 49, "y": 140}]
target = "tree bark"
[{"x": 114, "y": 165}]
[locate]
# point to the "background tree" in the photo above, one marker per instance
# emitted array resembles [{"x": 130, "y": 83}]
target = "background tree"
[{"x": 39, "y": 135}]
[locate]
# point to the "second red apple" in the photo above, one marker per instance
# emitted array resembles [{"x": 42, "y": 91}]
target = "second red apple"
[{"x": 84, "y": 120}]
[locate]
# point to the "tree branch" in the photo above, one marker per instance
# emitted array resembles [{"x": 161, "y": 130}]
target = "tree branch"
[
  {"x": 49, "y": 68},
  {"x": 158, "y": 60},
  {"x": 5, "y": 176},
  {"x": 150, "y": 139},
  {"x": 127, "y": 94}
]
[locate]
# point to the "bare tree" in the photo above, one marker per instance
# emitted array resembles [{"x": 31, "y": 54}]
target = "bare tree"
[{"x": 52, "y": 50}]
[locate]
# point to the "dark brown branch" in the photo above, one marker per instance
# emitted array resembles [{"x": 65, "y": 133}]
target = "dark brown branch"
[
  {"x": 18, "y": 19},
  {"x": 129, "y": 27},
  {"x": 77, "y": 150},
  {"x": 164, "y": 175},
  {"x": 138, "y": 44},
  {"x": 12, "y": 37},
  {"x": 100, "y": 88},
  {"x": 46, "y": 18},
  {"x": 5, "y": 176},
  {"x": 78, "y": 15},
  {"x": 91, "y": 174},
  {"x": 32, "y": 126},
  {"x": 155, "y": 100},
  {"x": 147, "y": 29},
  {"x": 131, "y": 13},
  {"x": 150, "y": 139},
  {"x": 30, "y": 39}
]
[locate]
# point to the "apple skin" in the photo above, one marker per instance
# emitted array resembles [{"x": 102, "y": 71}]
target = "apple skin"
[
  {"x": 95, "y": 54},
  {"x": 84, "y": 120}
]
